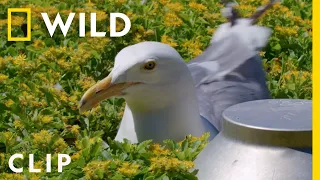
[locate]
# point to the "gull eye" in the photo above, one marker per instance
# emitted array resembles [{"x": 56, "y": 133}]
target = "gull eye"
[{"x": 150, "y": 65}]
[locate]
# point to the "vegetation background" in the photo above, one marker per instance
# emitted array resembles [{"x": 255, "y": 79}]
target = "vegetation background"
[{"x": 38, "y": 117}]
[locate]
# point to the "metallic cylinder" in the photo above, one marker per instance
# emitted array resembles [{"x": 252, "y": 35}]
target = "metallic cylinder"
[{"x": 261, "y": 140}]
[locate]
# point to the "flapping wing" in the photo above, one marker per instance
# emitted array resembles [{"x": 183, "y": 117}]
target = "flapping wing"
[
  {"x": 229, "y": 71},
  {"x": 245, "y": 83}
]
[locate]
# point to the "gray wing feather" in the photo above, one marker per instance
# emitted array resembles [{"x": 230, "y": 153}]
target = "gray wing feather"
[
  {"x": 216, "y": 96},
  {"x": 229, "y": 72},
  {"x": 219, "y": 59}
]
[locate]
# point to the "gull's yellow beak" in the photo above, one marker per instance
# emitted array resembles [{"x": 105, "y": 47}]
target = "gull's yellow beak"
[{"x": 102, "y": 90}]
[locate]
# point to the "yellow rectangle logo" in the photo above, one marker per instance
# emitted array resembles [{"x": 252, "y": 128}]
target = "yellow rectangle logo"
[{"x": 25, "y": 10}]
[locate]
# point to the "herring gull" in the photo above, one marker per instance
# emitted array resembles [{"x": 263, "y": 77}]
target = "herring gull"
[{"x": 167, "y": 98}]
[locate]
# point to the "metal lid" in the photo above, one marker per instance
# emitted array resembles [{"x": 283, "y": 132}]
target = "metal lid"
[{"x": 278, "y": 122}]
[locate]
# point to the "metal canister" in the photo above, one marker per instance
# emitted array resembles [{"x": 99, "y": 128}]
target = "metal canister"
[{"x": 261, "y": 140}]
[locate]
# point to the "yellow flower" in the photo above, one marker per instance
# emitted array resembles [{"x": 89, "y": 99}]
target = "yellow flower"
[
  {"x": 265, "y": 2},
  {"x": 17, "y": 20},
  {"x": 299, "y": 76},
  {"x": 289, "y": 76},
  {"x": 35, "y": 176},
  {"x": 219, "y": 5},
  {"x": 101, "y": 15},
  {"x": 131, "y": 15},
  {"x": 24, "y": 86},
  {"x": 167, "y": 40},
  {"x": 213, "y": 16},
  {"x": 172, "y": 20},
  {"x": 275, "y": 68},
  {"x": 73, "y": 99},
  {"x": 89, "y": 4},
  {"x": 286, "y": 31},
  {"x": 78, "y": 144},
  {"x": 36, "y": 27},
  {"x": 2, "y": 157},
  {"x": 3, "y": 77},
  {"x": 43, "y": 77},
  {"x": 12, "y": 176},
  {"x": 298, "y": 20},
  {"x": 119, "y": 26},
  {"x": 169, "y": 164},
  {"x": 155, "y": 10},
  {"x": 262, "y": 53},
  {"x": 86, "y": 82},
  {"x": 284, "y": 9},
  {"x": 46, "y": 119},
  {"x": 129, "y": 170},
  {"x": 192, "y": 138},
  {"x": 149, "y": 32},
  {"x": 137, "y": 38},
  {"x": 198, "y": 6},
  {"x": 38, "y": 44},
  {"x": 3, "y": 22},
  {"x": 211, "y": 31},
  {"x": 120, "y": 2},
  {"x": 75, "y": 130},
  {"x": 246, "y": 8},
  {"x": 36, "y": 104},
  {"x": 141, "y": 29},
  {"x": 60, "y": 145},
  {"x": 92, "y": 140},
  {"x": 26, "y": 98},
  {"x": 80, "y": 56},
  {"x": 84, "y": 51},
  {"x": 54, "y": 54},
  {"x": 17, "y": 124},
  {"x": 2, "y": 63},
  {"x": 63, "y": 96},
  {"x": 4, "y": 1},
  {"x": 64, "y": 64},
  {"x": 193, "y": 46},
  {"x": 9, "y": 103},
  {"x": 76, "y": 156},
  {"x": 306, "y": 76},
  {"x": 175, "y": 6},
  {"x": 93, "y": 111},
  {"x": 9, "y": 137},
  {"x": 157, "y": 150},
  {"x": 308, "y": 23},
  {"x": 94, "y": 168},
  {"x": 188, "y": 164},
  {"x": 164, "y": 2},
  {"x": 41, "y": 139},
  {"x": 52, "y": 11},
  {"x": 20, "y": 60},
  {"x": 39, "y": 165},
  {"x": 121, "y": 112}
]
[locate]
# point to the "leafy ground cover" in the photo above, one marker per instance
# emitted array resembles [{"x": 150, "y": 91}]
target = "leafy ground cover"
[{"x": 38, "y": 118}]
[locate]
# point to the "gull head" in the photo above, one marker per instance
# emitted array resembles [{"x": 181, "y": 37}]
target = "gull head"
[{"x": 145, "y": 74}]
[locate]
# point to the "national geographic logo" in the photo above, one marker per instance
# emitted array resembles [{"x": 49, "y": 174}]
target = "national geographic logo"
[
  {"x": 21, "y": 10},
  {"x": 65, "y": 26}
]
